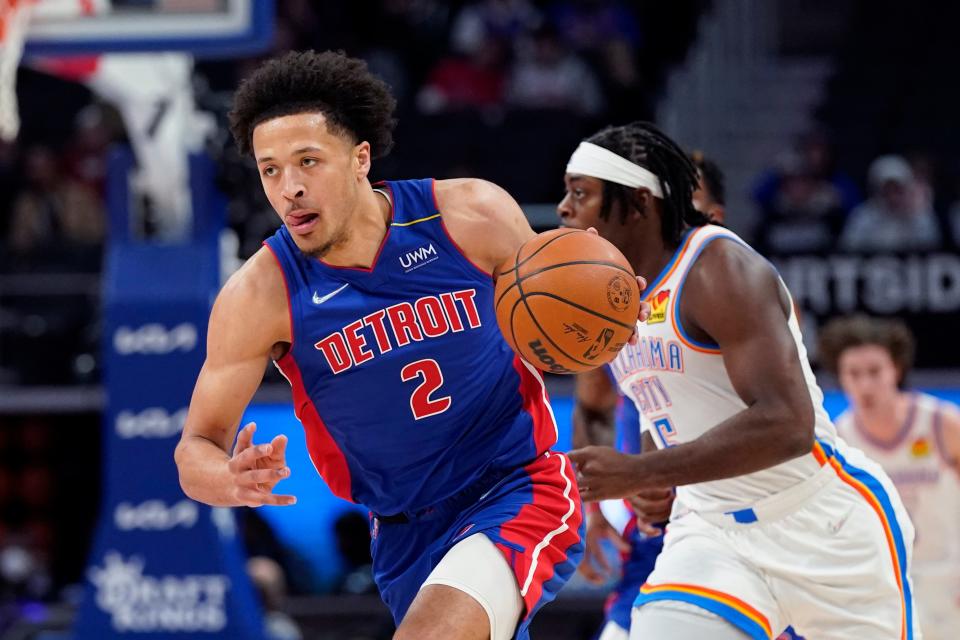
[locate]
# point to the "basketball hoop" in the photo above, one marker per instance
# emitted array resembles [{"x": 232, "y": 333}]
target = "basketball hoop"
[{"x": 14, "y": 16}]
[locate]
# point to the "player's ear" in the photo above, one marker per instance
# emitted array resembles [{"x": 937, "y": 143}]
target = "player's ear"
[
  {"x": 362, "y": 159},
  {"x": 641, "y": 202}
]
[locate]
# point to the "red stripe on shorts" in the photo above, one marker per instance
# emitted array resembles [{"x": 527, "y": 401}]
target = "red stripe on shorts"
[{"x": 545, "y": 527}]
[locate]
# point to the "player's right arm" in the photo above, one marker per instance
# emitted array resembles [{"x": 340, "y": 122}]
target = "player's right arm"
[
  {"x": 735, "y": 299},
  {"x": 249, "y": 322}
]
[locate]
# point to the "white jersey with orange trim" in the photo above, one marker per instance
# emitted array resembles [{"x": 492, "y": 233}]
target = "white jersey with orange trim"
[
  {"x": 916, "y": 462},
  {"x": 683, "y": 388},
  {"x": 820, "y": 543}
]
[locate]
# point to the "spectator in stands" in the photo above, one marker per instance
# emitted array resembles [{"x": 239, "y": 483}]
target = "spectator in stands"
[
  {"x": 800, "y": 213},
  {"x": 816, "y": 153},
  {"x": 894, "y": 218},
  {"x": 260, "y": 541},
  {"x": 590, "y": 26},
  {"x": 268, "y": 579},
  {"x": 53, "y": 214},
  {"x": 803, "y": 201},
  {"x": 550, "y": 76},
  {"x": 478, "y": 22},
  {"x": 924, "y": 170},
  {"x": 606, "y": 33},
  {"x": 352, "y": 531},
  {"x": 96, "y": 128},
  {"x": 472, "y": 81}
]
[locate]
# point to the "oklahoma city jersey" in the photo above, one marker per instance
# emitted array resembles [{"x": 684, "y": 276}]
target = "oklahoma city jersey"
[
  {"x": 930, "y": 489},
  {"x": 405, "y": 387},
  {"x": 928, "y": 485},
  {"x": 682, "y": 386}
]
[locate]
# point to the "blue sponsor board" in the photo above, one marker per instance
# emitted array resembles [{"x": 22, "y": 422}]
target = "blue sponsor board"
[{"x": 162, "y": 565}]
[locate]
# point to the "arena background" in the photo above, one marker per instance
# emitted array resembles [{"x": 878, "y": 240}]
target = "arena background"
[{"x": 123, "y": 205}]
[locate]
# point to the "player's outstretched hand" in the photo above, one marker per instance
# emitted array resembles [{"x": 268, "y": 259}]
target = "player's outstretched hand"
[
  {"x": 595, "y": 567},
  {"x": 256, "y": 469},
  {"x": 604, "y": 472},
  {"x": 652, "y": 505},
  {"x": 644, "y": 305}
]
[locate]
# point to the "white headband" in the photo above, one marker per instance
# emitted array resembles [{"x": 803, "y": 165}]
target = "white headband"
[{"x": 597, "y": 162}]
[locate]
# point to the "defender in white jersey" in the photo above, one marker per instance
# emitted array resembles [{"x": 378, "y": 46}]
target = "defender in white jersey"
[
  {"x": 916, "y": 439},
  {"x": 776, "y": 521}
]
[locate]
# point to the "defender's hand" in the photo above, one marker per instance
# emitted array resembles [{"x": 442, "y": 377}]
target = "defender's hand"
[
  {"x": 256, "y": 469},
  {"x": 652, "y": 505},
  {"x": 604, "y": 472},
  {"x": 594, "y": 566}
]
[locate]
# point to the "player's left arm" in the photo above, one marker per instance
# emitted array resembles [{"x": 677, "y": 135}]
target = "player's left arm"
[
  {"x": 950, "y": 430},
  {"x": 735, "y": 298},
  {"x": 484, "y": 220}
]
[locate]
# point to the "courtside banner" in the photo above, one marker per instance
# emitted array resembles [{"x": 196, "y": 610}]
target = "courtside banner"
[
  {"x": 923, "y": 289},
  {"x": 162, "y": 566}
]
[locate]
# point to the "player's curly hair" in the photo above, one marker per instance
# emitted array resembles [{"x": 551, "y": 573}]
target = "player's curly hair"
[
  {"x": 354, "y": 101},
  {"x": 645, "y": 145},
  {"x": 858, "y": 330}
]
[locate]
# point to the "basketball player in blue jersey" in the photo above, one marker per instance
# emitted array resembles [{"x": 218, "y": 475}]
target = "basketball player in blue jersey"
[
  {"x": 375, "y": 302},
  {"x": 776, "y": 521}
]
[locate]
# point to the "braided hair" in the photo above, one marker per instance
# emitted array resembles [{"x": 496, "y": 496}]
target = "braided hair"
[{"x": 645, "y": 145}]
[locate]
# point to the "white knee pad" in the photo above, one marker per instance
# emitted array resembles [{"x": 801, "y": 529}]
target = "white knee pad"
[{"x": 476, "y": 567}]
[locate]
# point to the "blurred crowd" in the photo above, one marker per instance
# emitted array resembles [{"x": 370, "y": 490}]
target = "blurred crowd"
[
  {"x": 475, "y": 82},
  {"x": 806, "y": 204},
  {"x": 500, "y": 89}
]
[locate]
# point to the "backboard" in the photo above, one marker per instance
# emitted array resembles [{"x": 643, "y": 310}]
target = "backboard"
[{"x": 205, "y": 28}]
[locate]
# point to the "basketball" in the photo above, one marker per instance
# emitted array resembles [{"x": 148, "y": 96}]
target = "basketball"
[{"x": 567, "y": 301}]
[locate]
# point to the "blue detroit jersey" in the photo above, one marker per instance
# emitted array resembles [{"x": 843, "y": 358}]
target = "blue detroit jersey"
[{"x": 405, "y": 387}]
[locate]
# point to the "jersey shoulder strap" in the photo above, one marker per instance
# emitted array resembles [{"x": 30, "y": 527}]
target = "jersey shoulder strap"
[{"x": 414, "y": 201}]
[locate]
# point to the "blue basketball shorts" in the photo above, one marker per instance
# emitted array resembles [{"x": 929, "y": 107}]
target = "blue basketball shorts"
[{"x": 532, "y": 514}]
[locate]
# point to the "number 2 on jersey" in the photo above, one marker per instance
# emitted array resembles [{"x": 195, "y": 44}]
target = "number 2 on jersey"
[{"x": 431, "y": 379}]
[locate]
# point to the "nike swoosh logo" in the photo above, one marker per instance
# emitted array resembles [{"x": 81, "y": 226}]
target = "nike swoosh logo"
[
  {"x": 836, "y": 526},
  {"x": 318, "y": 299}
]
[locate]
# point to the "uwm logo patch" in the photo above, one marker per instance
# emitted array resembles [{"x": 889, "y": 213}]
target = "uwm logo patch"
[
  {"x": 658, "y": 307},
  {"x": 419, "y": 257}
]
